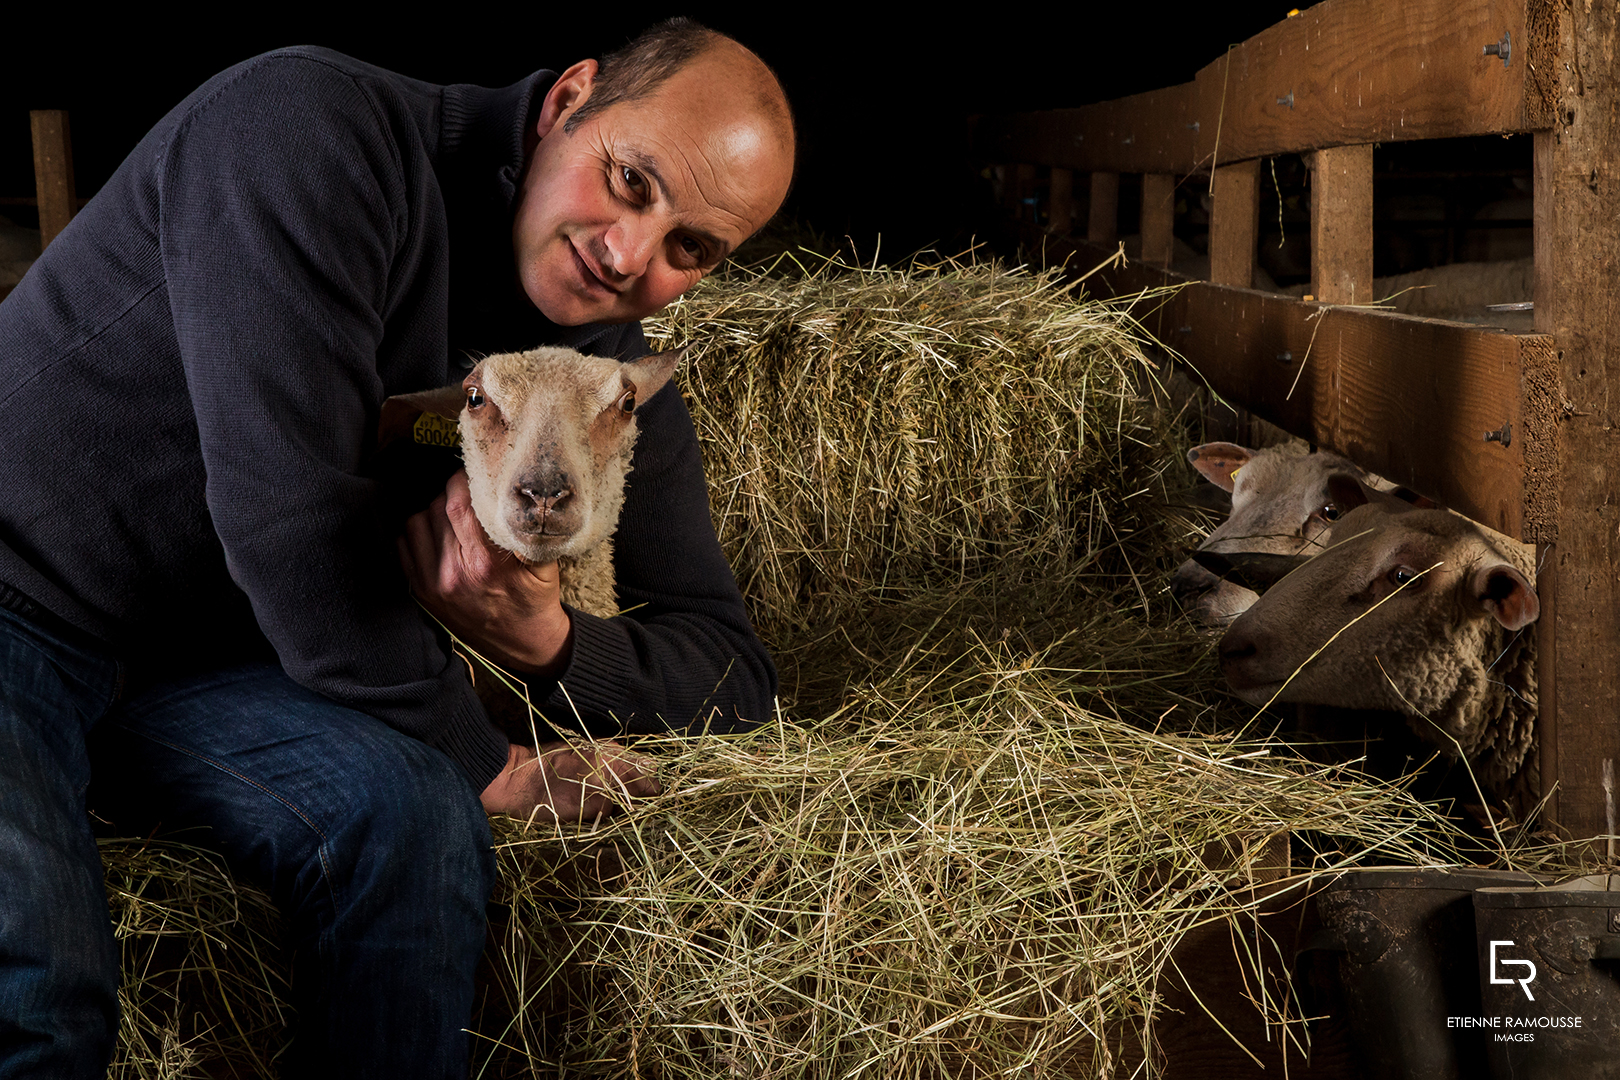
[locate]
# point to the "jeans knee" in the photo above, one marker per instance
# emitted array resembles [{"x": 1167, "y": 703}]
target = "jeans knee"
[{"x": 423, "y": 824}]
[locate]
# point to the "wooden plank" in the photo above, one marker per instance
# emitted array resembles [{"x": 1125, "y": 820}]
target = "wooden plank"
[
  {"x": 1060, "y": 202},
  {"x": 1577, "y": 245},
  {"x": 1148, "y": 132},
  {"x": 1365, "y": 71},
  {"x": 1158, "y": 219},
  {"x": 1341, "y": 225},
  {"x": 1410, "y": 398},
  {"x": 53, "y": 172},
  {"x": 1346, "y": 71},
  {"x": 1234, "y": 224},
  {"x": 1102, "y": 219}
]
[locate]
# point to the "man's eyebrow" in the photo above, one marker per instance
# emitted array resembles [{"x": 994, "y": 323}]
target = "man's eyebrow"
[{"x": 646, "y": 165}]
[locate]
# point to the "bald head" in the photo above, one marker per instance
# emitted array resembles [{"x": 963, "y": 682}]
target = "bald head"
[{"x": 642, "y": 67}]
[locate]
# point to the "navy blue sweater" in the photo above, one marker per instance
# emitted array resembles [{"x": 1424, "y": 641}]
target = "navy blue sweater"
[{"x": 193, "y": 373}]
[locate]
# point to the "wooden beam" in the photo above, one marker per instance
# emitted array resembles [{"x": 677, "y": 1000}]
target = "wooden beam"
[
  {"x": 1412, "y": 399},
  {"x": 1341, "y": 225},
  {"x": 1060, "y": 202},
  {"x": 1158, "y": 219},
  {"x": 1234, "y": 224},
  {"x": 1149, "y": 132},
  {"x": 1102, "y": 219},
  {"x": 53, "y": 172},
  {"x": 1577, "y": 245},
  {"x": 1340, "y": 73}
]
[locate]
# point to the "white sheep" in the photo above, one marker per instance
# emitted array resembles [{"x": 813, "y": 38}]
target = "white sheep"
[
  {"x": 1281, "y": 505},
  {"x": 1417, "y": 611},
  {"x": 546, "y": 436}
]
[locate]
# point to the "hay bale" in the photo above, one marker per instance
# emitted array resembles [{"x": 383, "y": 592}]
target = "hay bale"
[{"x": 872, "y": 433}]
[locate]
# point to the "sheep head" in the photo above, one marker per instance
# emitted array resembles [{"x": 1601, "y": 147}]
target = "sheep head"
[
  {"x": 1283, "y": 503},
  {"x": 546, "y": 437},
  {"x": 1405, "y": 610}
]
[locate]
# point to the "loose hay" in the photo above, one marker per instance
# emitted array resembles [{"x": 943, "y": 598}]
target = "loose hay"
[
  {"x": 985, "y": 818},
  {"x": 969, "y": 878}
]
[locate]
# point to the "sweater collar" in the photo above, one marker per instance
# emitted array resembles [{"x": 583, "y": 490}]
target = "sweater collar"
[{"x": 482, "y": 130}]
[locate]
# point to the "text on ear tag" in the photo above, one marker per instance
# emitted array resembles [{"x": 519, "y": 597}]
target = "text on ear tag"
[{"x": 434, "y": 430}]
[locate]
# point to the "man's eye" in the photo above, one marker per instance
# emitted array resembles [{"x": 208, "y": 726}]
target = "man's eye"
[
  {"x": 692, "y": 250},
  {"x": 634, "y": 182}
]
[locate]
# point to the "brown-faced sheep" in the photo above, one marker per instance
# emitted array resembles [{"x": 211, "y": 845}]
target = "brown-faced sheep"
[
  {"x": 1281, "y": 505},
  {"x": 1417, "y": 611}
]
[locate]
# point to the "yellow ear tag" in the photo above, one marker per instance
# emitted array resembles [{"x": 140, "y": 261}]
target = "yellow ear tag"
[
  {"x": 434, "y": 430},
  {"x": 1235, "y": 472}
]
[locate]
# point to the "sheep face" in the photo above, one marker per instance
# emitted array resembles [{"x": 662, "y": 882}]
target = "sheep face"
[
  {"x": 1408, "y": 610},
  {"x": 1281, "y": 505},
  {"x": 547, "y": 436}
]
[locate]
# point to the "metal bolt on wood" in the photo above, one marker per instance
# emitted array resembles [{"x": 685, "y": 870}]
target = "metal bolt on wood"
[
  {"x": 1289, "y": 100},
  {"x": 1503, "y": 435},
  {"x": 1503, "y": 48}
]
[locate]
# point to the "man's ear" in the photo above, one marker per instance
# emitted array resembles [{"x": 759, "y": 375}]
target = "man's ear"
[{"x": 566, "y": 94}]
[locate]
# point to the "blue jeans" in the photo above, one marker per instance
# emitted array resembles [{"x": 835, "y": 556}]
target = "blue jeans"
[{"x": 373, "y": 845}]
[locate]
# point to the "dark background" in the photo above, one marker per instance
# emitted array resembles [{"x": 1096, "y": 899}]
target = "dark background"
[{"x": 881, "y": 97}]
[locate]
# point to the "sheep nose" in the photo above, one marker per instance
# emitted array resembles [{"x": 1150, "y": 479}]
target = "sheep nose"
[
  {"x": 1240, "y": 649},
  {"x": 546, "y": 497},
  {"x": 1190, "y": 581}
]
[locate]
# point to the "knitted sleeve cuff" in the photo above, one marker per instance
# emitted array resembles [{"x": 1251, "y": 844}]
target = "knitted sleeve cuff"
[{"x": 472, "y": 742}]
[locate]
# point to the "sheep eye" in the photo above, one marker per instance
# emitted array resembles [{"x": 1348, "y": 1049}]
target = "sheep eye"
[
  {"x": 1401, "y": 575},
  {"x": 627, "y": 402},
  {"x": 475, "y": 397},
  {"x": 1329, "y": 511}
]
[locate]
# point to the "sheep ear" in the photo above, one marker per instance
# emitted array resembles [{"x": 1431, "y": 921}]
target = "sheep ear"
[
  {"x": 649, "y": 374},
  {"x": 1347, "y": 492},
  {"x": 1505, "y": 593},
  {"x": 1219, "y": 462},
  {"x": 1407, "y": 495},
  {"x": 400, "y": 412}
]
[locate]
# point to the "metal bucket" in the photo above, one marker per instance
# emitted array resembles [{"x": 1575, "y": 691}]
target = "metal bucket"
[
  {"x": 1549, "y": 962},
  {"x": 1406, "y": 944}
]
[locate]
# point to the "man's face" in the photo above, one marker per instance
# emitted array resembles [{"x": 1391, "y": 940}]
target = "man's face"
[{"x": 622, "y": 215}]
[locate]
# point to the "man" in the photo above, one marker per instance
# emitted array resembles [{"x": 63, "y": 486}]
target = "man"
[{"x": 195, "y": 576}]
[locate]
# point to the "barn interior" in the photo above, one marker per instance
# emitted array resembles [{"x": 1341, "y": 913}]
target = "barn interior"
[{"x": 1009, "y": 817}]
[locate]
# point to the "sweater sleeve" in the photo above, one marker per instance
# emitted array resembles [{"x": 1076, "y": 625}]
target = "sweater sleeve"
[
  {"x": 684, "y": 656},
  {"x": 291, "y": 233}
]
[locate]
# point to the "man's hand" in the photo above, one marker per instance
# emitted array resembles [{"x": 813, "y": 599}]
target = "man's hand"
[
  {"x": 509, "y": 610},
  {"x": 572, "y": 783}
]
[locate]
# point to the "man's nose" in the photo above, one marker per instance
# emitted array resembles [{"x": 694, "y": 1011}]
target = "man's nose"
[{"x": 631, "y": 244}]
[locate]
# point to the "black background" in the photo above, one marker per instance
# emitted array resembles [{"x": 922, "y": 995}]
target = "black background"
[{"x": 881, "y": 96}]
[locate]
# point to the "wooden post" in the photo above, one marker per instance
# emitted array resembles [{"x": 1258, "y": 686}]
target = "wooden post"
[
  {"x": 1234, "y": 223},
  {"x": 1060, "y": 207},
  {"x": 1024, "y": 188},
  {"x": 1341, "y": 225},
  {"x": 1102, "y": 221},
  {"x": 53, "y": 172},
  {"x": 1158, "y": 219},
  {"x": 1577, "y": 245}
]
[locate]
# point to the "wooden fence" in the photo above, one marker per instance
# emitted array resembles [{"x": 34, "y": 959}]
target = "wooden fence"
[{"x": 1517, "y": 431}]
